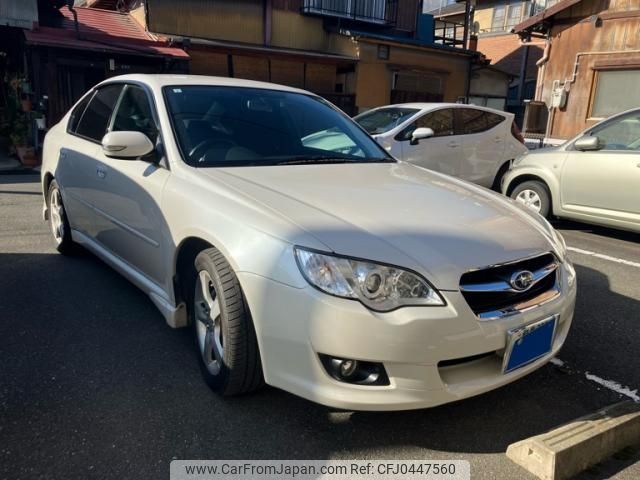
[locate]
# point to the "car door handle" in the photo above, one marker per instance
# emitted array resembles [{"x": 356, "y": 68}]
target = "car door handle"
[
  {"x": 454, "y": 144},
  {"x": 101, "y": 172}
]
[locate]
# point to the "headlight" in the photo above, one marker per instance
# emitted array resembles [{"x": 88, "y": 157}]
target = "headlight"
[
  {"x": 560, "y": 243},
  {"x": 378, "y": 287}
]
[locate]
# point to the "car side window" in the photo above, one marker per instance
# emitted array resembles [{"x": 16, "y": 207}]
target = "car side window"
[
  {"x": 76, "y": 113},
  {"x": 493, "y": 120},
  {"x": 440, "y": 121},
  {"x": 95, "y": 119},
  {"x": 471, "y": 120},
  {"x": 620, "y": 134},
  {"x": 134, "y": 113}
]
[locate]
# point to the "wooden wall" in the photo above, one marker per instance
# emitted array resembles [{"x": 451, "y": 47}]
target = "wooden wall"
[
  {"x": 612, "y": 40},
  {"x": 374, "y": 76}
]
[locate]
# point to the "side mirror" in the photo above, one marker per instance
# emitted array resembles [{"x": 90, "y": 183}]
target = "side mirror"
[
  {"x": 420, "y": 133},
  {"x": 126, "y": 145},
  {"x": 587, "y": 143}
]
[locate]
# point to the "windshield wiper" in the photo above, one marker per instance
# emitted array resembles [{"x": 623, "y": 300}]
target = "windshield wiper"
[{"x": 307, "y": 159}]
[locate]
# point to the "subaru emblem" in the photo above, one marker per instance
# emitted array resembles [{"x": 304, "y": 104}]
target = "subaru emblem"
[{"x": 522, "y": 280}]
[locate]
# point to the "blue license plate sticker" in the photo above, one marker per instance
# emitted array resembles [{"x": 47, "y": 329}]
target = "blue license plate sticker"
[{"x": 529, "y": 343}]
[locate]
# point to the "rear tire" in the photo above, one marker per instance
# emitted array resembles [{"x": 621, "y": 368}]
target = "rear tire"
[
  {"x": 223, "y": 328},
  {"x": 58, "y": 221},
  {"x": 534, "y": 195}
]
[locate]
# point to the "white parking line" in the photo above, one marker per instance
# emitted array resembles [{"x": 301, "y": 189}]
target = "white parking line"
[
  {"x": 615, "y": 386},
  {"x": 608, "y": 384},
  {"x": 604, "y": 257}
]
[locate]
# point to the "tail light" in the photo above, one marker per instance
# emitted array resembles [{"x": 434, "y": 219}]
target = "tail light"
[{"x": 515, "y": 131}]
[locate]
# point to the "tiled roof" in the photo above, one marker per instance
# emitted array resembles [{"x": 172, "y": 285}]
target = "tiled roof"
[
  {"x": 101, "y": 30},
  {"x": 505, "y": 52}
]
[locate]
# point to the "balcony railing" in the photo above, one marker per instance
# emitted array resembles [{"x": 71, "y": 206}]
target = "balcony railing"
[
  {"x": 448, "y": 33},
  {"x": 384, "y": 12}
]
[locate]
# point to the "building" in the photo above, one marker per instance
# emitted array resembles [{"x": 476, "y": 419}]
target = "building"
[
  {"x": 359, "y": 54},
  {"x": 492, "y": 22},
  {"x": 591, "y": 67},
  {"x": 490, "y": 81},
  {"x": 51, "y": 54},
  {"x": 69, "y": 51}
]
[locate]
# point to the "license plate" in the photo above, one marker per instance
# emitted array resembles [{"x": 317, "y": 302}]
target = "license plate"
[{"x": 529, "y": 343}]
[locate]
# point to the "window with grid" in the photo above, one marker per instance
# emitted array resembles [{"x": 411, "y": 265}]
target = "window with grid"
[
  {"x": 499, "y": 13},
  {"x": 514, "y": 15}
]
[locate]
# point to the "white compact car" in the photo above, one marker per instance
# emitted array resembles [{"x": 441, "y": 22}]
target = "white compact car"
[
  {"x": 473, "y": 143},
  {"x": 338, "y": 274}
]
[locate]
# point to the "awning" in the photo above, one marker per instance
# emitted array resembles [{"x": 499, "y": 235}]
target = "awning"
[
  {"x": 544, "y": 15},
  {"x": 56, "y": 37},
  {"x": 102, "y": 31}
]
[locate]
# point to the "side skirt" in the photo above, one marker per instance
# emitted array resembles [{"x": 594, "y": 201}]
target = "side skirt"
[{"x": 175, "y": 316}]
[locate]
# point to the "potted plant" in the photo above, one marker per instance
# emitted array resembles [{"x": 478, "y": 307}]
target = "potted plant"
[{"x": 20, "y": 138}]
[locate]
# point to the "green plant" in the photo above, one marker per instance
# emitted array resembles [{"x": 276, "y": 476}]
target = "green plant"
[{"x": 19, "y": 133}]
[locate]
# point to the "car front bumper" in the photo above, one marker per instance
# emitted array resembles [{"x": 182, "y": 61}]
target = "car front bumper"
[{"x": 295, "y": 325}]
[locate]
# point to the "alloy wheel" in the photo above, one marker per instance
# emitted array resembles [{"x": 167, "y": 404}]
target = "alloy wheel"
[
  {"x": 530, "y": 199},
  {"x": 56, "y": 211},
  {"x": 209, "y": 323}
]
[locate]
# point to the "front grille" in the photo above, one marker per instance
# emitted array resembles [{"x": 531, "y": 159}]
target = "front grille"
[{"x": 490, "y": 293}]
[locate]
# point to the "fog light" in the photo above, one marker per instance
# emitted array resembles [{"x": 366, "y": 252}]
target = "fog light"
[
  {"x": 355, "y": 371},
  {"x": 348, "y": 367}
]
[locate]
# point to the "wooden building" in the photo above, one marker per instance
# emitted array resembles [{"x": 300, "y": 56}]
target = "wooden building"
[
  {"x": 66, "y": 56},
  {"x": 359, "y": 54},
  {"x": 591, "y": 65}
]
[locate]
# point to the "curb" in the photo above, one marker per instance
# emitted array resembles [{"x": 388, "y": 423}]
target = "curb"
[{"x": 568, "y": 450}]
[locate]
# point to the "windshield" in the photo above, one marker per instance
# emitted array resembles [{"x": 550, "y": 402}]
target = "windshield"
[
  {"x": 235, "y": 126},
  {"x": 384, "y": 119}
]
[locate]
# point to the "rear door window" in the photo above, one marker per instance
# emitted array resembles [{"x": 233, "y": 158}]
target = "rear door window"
[
  {"x": 95, "y": 119},
  {"x": 77, "y": 112},
  {"x": 440, "y": 121},
  {"x": 472, "y": 120}
]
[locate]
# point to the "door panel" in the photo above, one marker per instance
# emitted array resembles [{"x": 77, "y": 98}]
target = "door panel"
[
  {"x": 77, "y": 169},
  {"x": 442, "y": 152},
  {"x": 602, "y": 183},
  {"x": 483, "y": 144},
  {"x": 133, "y": 226},
  {"x": 129, "y": 195},
  {"x": 605, "y": 182}
]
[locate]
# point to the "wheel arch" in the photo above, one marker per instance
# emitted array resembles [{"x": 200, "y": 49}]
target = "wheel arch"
[
  {"x": 184, "y": 268},
  {"x": 529, "y": 177}
]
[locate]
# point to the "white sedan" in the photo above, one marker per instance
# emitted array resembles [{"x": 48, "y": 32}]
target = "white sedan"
[
  {"x": 338, "y": 274},
  {"x": 469, "y": 142}
]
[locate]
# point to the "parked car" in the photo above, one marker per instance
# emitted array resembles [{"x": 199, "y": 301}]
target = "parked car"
[
  {"x": 340, "y": 275},
  {"x": 469, "y": 142},
  {"x": 593, "y": 177}
]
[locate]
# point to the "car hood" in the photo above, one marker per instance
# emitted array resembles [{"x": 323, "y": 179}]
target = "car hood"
[{"x": 394, "y": 213}]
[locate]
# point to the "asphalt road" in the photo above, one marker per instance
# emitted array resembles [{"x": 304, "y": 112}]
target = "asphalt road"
[{"x": 93, "y": 384}]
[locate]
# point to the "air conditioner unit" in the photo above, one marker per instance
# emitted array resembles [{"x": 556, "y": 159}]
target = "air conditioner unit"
[{"x": 535, "y": 118}]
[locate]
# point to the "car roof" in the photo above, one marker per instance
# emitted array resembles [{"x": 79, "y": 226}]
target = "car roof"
[
  {"x": 434, "y": 105},
  {"x": 162, "y": 80}
]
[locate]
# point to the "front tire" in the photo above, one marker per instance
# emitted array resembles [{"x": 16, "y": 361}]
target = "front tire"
[
  {"x": 58, "y": 221},
  {"x": 223, "y": 328},
  {"x": 534, "y": 195}
]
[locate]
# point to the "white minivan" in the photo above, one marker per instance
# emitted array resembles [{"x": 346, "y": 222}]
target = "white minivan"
[{"x": 469, "y": 142}]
